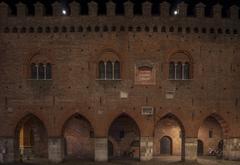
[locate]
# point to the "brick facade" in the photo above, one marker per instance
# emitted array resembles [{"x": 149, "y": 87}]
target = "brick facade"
[{"x": 75, "y": 44}]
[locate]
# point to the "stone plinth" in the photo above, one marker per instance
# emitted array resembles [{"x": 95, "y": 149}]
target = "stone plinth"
[
  {"x": 6, "y": 150},
  {"x": 55, "y": 149},
  {"x": 146, "y": 148},
  {"x": 231, "y": 149},
  {"x": 101, "y": 149},
  {"x": 191, "y": 149}
]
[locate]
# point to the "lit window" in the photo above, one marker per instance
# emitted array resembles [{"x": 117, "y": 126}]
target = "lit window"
[
  {"x": 210, "y": 133},
  {"x": 179, "y": 67},
  {"x": 109, "y": 70},
  {"x": 41, "y": 71}
]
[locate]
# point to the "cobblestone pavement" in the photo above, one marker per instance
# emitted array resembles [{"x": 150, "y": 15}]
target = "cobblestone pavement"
[{"x": 156, "y": 161}]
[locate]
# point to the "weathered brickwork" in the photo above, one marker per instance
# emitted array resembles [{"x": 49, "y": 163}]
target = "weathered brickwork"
[{"x": 145, "y": 46}]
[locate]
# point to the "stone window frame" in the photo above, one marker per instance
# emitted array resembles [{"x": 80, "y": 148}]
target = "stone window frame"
[
  {"x": 180, "y": 68},
  {"x": 34, "y": 63},
  {"x": 109, "y": 66}
]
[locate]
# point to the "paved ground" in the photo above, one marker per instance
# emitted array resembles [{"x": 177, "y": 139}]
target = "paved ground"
[{"x": 157, "y": 161}]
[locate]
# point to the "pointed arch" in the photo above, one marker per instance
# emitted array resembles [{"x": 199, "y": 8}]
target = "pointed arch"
[
  {"x": 125, "y": 115},
  {"x": 169, "y": 125},
  {"x": 225, "y": 126}
]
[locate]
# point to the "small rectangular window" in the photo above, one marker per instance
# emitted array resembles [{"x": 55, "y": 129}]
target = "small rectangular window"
[{"x": 210, "y": 134}]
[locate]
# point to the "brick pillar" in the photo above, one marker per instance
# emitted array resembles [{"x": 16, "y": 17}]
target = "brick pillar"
[
  {"x": 75, "y": 8},
  {"x": 21, "y": 9},
  {"x": 190, "y": 149},
  {"x": 92, "y": 8},
  {"x": 217, "y": 11},
  {"x": 111, "y": 6},
  {"x": 147, "y": 8},
  {"x": 234, "y": 10},
  {"x": 6, "y": 150},
  {"x": 3, "y": 10},
  {"x": 182, "y": 7},
  {"x": 57, "y": 9},
  {"x": 146, "y": 148},
  {"x": 164, "y": 9},
  {"x": 56, "y": 149},
  {"x": 101, "y": 149},
  {"x": 231, "y": 149},
  {"x": 39, "y": 9},
  {"x": 128, "y": 8},
  {"x": 200, "y": 10}
]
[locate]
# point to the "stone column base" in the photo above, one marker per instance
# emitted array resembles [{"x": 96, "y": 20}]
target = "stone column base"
[
  {"x": 55, "y": 149},
  {"x": 146, "y": 148},
  {"x": 190, "y": 149},
  {"x": 7, "y": 150},
  {"x": 231, "y": 149},
  {"x": 101, "y": 149}
]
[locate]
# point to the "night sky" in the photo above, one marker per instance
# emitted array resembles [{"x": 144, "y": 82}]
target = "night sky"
[{"x": 137, "y": 5}]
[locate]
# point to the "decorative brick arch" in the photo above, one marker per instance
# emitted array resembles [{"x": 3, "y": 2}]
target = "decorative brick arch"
[
  {"x": 72, "y": 116},
  {"x": 38, "y": 56},
  {"x": 182, "y": 56},
  {"x": 27, "y": 115},
  {"x": 109, "y": 54},
  {"x": 225, "y": 126},
  {"x": 185, "y": 52},
  {"x": 179, "y": 123},
  {"x": 34, "y": 127},
  {"x": 127, "y": 115},
  {"x": 175, "y": 117}
]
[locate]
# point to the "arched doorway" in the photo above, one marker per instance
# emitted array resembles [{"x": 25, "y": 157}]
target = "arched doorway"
[
  {"x": 169, "y": 137},
  {"x": 79, "y": 138},
  {"x": 211, "y": 133},
  {"x": 125, "y": 135},
  {"x": 31, "y": 141},
  {"x": 166, "y": 146},
  {"x": 200, "y": 147},
  {"x": 110, "y": 149}
]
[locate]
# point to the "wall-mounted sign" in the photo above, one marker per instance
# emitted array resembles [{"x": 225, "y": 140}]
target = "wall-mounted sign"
[
  {"x": 145, "y": 74},
  {"x": 147, "y": 110}
]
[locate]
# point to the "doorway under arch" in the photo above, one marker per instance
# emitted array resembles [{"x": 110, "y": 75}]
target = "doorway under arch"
[
  {"x": 79, "y": 138},
  {"x": 125, "y": 135},
  {"x": 211, "y": 132},
  {"x": 169, "y": 137},
  {"x": 166, "y": 145},
  {"x": 31, "y": 140},
  {"x": 200, "y": 147}
]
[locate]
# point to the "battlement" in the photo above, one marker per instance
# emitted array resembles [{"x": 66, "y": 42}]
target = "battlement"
[
  {"x": 70, "y": 19},
  {"x": 74, "y": 9}
]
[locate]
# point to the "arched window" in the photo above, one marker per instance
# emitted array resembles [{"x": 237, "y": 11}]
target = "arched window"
[
  {"x": 34, "y": 71},
  {"x": 172, "y": 71},
  {"x": 48, "y": 71},
  {"x": 41, "y": 70},
  {"x": 117, "y": 70},
  {"x": 179, "y": 71},
  {"x": 186, "y": 70},
  {"x": 109, "y": 70},
  {"x": 180, "y": 67},
  {"x": 101, "y": 70},
  {"x": 109, "y": 67}
]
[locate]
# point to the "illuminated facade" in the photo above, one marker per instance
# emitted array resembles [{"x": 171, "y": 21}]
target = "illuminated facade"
[{"x": 107, "y": 86}]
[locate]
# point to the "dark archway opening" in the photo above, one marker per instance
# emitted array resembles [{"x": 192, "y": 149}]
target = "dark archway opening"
[
  {"x": 166, "y": 146},
  {"x": 211, "y": 133},
  {"x": 200, "y": 147},
  {"x": 124, "y": 135},
  {"x": 31, "y": 140},
  {"x": 79, "y": 138},
  {"x": 169, "y": 138}
]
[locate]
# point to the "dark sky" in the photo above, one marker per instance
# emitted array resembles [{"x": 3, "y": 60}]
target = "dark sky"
[{"x": 137, "y": 5}]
